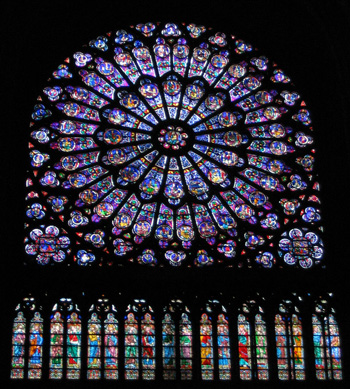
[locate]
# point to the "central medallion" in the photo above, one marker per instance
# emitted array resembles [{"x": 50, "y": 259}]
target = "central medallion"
[{"x": 173, "y": 137}]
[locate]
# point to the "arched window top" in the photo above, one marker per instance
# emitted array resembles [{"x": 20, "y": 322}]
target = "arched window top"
[
  {"x": 176, "y": 308},
  {"x": 251, "y": 307},
  {"x": 65, "y": 305},
  {"x": 103, "y": 306},
  {"x": 175, "y": 137}
]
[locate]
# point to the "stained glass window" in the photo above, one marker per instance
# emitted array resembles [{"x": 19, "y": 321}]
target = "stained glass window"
[
  {"x": 139, "y": 342},
  {"x": 326, "y": 338},
  {"x": 65, "y": 341},
  {"x": 223, "y": 341},
  {"x": 36, "y": 340},
  {"x": 102, "y": 341},
  {"x": 169, "y": 347},
  {"x": 252, "y": 343},
  {"x": 111, "y": 346},
  {"x": 27, "y": 341},
  {"x": 166, "y": 135},
  {"x": 215, "y": 343},
  {"x": 177, "y": 342},
  {"x": 56, "y": 346},
  {"x": 94, "y": 347},
  {"x": 18, "y": 346},
  {"x": 73, "y": 346},
  {"x": 289, "y": 343},
  {"x": 207, "y": 354}
]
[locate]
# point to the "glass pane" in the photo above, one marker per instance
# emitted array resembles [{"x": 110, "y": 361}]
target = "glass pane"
[
  {"x": 94, "y": 347},
  {"x": 131, "y": 348},
  {"x": 18, "y": 346},
  {"x": 56, "y": 346},
  {"x": 185, "y": 347},
  {"x": 244, "y": 348},
  {"x": 111, "y": 347},
  {"x": 169, "y": 350},
  {"x": 36, "y": 341},
  {"x": 73, "y": 346},
  {"x": 206, "y": 340}
]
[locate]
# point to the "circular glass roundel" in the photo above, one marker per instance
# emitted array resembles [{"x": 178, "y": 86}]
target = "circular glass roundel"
[{"x": 177, "y": 141}]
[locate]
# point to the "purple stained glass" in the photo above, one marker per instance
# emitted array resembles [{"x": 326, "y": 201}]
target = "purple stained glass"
[{"x": 172, "y": 135}]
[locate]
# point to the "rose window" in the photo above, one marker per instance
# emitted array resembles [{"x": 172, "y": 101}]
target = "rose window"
[{"x": 172, "y": 146}]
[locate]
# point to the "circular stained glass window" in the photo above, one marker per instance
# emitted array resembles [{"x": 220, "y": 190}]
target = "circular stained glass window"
[{"x": 172, "y": 145}]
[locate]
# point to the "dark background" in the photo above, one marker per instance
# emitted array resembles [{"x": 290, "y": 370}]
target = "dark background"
[{"x": 308, "y": 39}]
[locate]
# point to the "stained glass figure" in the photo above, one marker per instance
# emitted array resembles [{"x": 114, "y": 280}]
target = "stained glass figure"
[
  {"x": 327, "y": 350},
  {"x": 169, "y": 348},
  {"x": 139, "y": 343},
  {"x": 177, "y": 342},
  {"x": 73, "y": 346},
  {"x": 94, "y": 347},
  {"x": 185, "y": 336},
  {"x": 215, "y": 343},
  {"x": 56, "y": 346},
  {"x": 27, "y": 341},
  {"x": 65, "y": 341},
  {"x": 252, "y": 343},
  {"x": 172, "y": 134},
  {"x": 289, "y": 343},
  {"x": 19, "y": 334},
  {"x": 206, "y": 341},
  {"x": 223, "y": 342},
  {"x": 148, "y": 341},
  {"x": 132, "y": 359},
  {"x": 111, "y": 347},
  {"x": 36, "y": 340}
]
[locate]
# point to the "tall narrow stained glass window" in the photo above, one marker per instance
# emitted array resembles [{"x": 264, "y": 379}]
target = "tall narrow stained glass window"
[
  {"x": 289, "y": 343},
  {"x": 207, "y": 353},
  {"x": 215, "y": 343},
  {"x": 94, "y": 347},
  {"x": 252, "y": 343},
  {"x": 169, "y": 347},
  {"x": 27, "y": 341},
  {"x": 65, "y": 341},
  {"x": 326, "y": 338},
  {"x": 56, "y": 346},
  {"x": 73, "y": 346},
  {"x": 139, "y": 342},
  {"x": 36, "y": 340},
  {"x": 102, "y": 341},
  {"x": 111, "y": 347},
  {"x": 19, "y": 333},
  {"x": 174, "y": 134},
  {"x": 177, "y": 342}
]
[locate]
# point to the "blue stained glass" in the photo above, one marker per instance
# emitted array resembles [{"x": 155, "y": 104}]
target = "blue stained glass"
[{"x": 160, "y": 117}]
